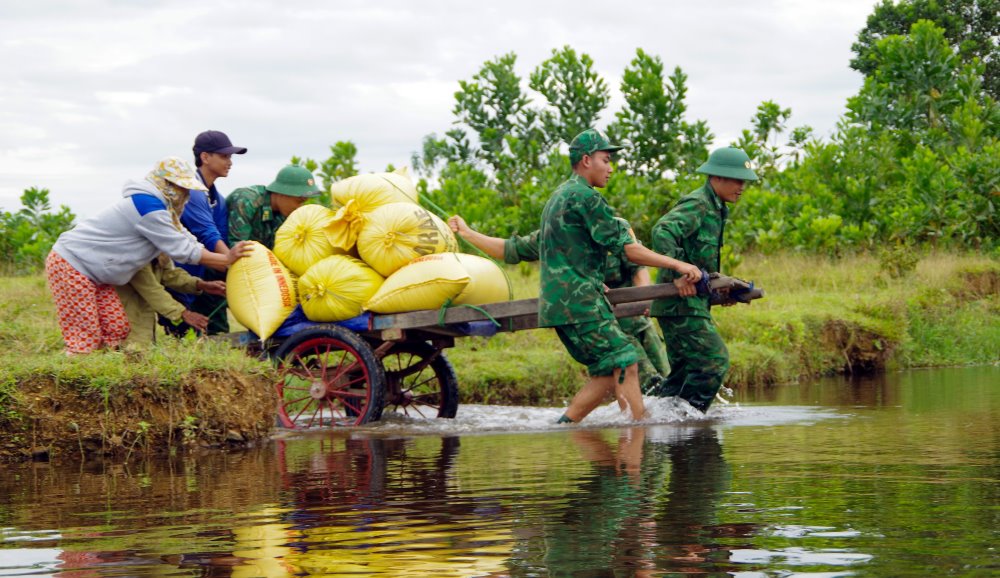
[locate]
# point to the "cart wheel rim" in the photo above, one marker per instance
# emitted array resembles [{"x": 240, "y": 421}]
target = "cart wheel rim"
[
  {"x": 420, "y": 382},
  {"x": 324, "y": 382}
]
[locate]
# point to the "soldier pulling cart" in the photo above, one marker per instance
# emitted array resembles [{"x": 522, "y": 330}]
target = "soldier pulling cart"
[{"x": 349, "y": 373}]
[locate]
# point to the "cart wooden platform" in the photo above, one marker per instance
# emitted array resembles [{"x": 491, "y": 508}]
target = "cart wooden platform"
[{"x": 335, "y": 374}]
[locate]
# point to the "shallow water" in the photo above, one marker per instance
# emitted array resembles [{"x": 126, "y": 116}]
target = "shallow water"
[{"x": 892, "y": 476}]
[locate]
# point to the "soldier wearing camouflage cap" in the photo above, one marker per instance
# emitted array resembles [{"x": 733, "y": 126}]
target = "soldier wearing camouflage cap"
[
  {"x": 256, "y": 212},
  {"x": 618, "y": 272},
  {"x": 693, "y": 231},
  {"x": 578, "y": 231}
]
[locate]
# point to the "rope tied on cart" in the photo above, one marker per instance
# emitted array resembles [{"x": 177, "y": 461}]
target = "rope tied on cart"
[
  {"x": 427, "y": 203},
  {"x": 447, "y": 305}
]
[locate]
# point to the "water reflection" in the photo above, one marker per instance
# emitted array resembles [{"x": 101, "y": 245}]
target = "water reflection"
[
  {"x": 649, "y": 505},
  {"x": 687, "y": 526},
  {"x": 885, "y": 477},
  {"x": 374, "y": 506},
  {"x": 880, "y": 390},
  {"x": 591, "y": 534}
]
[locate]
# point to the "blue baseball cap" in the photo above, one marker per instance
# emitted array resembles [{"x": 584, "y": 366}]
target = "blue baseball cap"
[{"x": 214, "y": 141}]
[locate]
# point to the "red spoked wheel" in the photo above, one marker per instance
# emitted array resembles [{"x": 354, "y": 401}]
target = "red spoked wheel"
[
  {"x": 328, "y": 377},
  {"x": 420, "y": 381}
]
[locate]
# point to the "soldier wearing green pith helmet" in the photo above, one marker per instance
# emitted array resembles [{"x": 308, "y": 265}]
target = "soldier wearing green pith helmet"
[
  {"x": 693, "y": 231},
  {"x": 578, "y": 231},
  {"x": 256, "y": 212}
]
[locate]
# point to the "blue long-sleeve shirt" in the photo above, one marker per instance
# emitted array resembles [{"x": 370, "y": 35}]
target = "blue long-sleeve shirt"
[{"x": 206, "y": 217}]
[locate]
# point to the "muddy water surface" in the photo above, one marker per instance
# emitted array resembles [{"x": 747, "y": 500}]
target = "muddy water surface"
[{"x": 893, "y": 476}]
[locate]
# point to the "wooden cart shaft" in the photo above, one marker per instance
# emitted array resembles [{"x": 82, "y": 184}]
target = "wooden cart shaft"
[{"x": 523, "y": 313}]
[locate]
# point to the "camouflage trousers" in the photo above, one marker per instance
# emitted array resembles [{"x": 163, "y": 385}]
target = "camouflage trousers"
[
  {"x": 652, "y": 354},
  {"x": 600, "y": 345},
  {"x": 698, "y": 358}
]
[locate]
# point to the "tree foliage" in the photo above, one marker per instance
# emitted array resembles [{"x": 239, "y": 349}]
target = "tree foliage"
[
  {"x": 970, "y": 26},
  {"x": 762, "y": 141},
  {"x": 27, "y": 236},
  {"x": 661, "y": 142},
  {"x": 505, "y": 154},
  {"x": 915, "y": 160},
  {"x": 575, "y": 92}
]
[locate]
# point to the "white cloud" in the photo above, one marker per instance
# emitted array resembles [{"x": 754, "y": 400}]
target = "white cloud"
[{"x": 96, "y": 91}]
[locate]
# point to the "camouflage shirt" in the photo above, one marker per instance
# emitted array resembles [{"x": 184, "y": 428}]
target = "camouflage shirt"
[
  {"x": 578, "y": 232},
  {"x": 691, "y": 232},
  {"x": 251, "y": 217},
  {"x": 618, "y": 271}
]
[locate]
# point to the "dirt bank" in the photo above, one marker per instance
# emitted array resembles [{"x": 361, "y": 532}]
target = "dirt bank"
[{"x": 213, "y": 408}]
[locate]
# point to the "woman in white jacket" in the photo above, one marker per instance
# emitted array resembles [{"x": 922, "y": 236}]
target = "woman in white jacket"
[{"x": 107, "y": 249}]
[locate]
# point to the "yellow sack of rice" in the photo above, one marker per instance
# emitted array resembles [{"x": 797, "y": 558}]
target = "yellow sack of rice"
[
  {"x": 375, "y": 189},
  {"x": 426, "y": 283},
  {"x": 487, "y": 282},
  {"x": 260, "y": 291},
  {"x": 336, "y": 288},
  {"x": 344, "y": 226},
  {"x": 398, "y": 233},
  {"x": 301, "y": 240},
  {"x": 356, "y": 196}
]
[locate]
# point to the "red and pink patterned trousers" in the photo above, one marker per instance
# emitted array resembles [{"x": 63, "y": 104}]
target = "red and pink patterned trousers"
[{"x": 90, "y": 315}]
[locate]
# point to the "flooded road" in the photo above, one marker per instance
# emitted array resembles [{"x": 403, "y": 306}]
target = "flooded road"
[{"x": 897, "y": 475}]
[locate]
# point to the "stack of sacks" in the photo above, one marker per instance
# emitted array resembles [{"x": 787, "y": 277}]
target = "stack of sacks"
[
  {"x": 407, "y": 260},
  {"x": 435, "y": 280}
]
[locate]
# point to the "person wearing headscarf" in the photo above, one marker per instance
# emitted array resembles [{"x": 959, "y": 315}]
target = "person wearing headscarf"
[{"x": 107, "y": 249}]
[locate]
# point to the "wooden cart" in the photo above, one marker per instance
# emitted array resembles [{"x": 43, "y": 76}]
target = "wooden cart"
[{"x": 349, "y": 373}]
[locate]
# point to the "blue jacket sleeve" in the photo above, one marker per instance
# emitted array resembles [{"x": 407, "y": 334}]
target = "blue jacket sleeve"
[{"x": 197, "y": 218}]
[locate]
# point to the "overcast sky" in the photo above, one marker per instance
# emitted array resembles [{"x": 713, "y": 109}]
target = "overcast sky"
[{"x": 95, "y": 91}]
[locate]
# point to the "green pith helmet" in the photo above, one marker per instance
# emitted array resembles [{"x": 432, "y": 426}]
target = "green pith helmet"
[
  {"x": 728, "y": 162},
  {"x": 294, "y": 181}
]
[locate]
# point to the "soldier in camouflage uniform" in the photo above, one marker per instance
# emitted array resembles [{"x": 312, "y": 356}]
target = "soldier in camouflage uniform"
[
  {"x": 617, "y": 273},
  {"x": 578, "y": 230},
  {"x": 693, "y": 231},
  {"x": 256, "y": 212}
]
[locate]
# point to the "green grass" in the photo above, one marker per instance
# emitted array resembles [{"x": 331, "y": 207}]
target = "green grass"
[
  {"x": 47, "y": 397},
  {"x": 30, "y": 346}
]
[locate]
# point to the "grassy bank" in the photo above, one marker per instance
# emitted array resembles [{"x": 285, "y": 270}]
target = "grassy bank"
[
  {"x": 820, "y": 316},
  {"x": 178, "y": 393}
]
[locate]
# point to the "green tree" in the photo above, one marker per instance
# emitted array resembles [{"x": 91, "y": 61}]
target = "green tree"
[
  {"x": 970, "y": 26},
  {"x": 918, "y": 85},
  {"x": 27, "y": 235},
  {"x": 914, "y": 160},
  {"x": 573, "y": 89},
  {"x": 503, "y": 142},
  {"x": 341, "y": 164},
  {"x": 434, "y": 152},
  {"x": 511, "y": 140},
  {"x": 762, "y": 141},
  {"x": 652, "y": 121}
]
